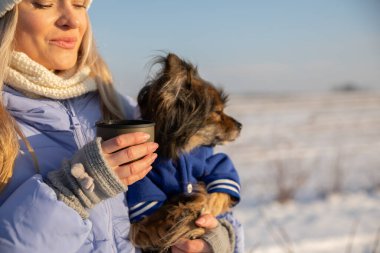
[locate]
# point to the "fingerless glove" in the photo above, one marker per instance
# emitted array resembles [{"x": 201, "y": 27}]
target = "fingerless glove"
[
  {"x": 222, "y": 238},
  {"x": 85, "y": 180}
]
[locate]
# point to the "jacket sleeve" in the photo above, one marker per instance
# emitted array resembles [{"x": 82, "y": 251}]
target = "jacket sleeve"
[
  {"x": 144, "y": 198},
  {"x": 220, "y": 175},
  {"x": 33, "y": 220}
]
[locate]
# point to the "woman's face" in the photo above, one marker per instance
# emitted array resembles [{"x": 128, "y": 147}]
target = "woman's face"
[{"x": 51, "y": 31}]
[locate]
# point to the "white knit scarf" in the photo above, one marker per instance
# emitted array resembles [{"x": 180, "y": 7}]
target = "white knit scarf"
[{"x": 31, "y": 78}]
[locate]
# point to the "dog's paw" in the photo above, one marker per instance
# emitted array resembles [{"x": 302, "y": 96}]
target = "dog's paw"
[{"x": 218, "y": 203}]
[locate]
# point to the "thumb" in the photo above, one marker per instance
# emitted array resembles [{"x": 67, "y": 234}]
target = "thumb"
[{"x": 207, "y": 221}]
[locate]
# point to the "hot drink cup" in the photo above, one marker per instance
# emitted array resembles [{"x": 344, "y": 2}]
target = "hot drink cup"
[{"x": 108, "y": 129}]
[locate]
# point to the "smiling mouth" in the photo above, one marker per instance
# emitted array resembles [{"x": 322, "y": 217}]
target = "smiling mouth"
[{"x": 65, "y": 43}]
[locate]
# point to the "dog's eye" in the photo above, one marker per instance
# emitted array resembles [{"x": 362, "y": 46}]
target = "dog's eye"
[{"x": 219, "y": 112}]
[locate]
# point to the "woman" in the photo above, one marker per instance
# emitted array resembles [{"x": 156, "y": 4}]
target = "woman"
[{"x": 61, "y": 187}]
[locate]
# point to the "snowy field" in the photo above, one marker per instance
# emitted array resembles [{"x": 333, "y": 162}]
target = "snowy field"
[{"x": 310, "y": 171}]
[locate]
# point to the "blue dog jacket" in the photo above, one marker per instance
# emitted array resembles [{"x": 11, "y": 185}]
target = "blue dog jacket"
[{"x": 169, "y": 178}]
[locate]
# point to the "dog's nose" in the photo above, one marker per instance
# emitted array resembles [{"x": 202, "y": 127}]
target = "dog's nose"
[{"x": 239, "y": 125}]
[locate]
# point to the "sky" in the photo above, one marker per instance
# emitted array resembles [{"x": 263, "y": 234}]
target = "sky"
[{"x": 246, "y": 46}]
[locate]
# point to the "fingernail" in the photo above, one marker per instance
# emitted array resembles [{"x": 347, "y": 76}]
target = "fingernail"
[
  {"x": 144, "y": 136},
  {"x": 153, "y": 146},
  {"x": 154, "y": 156}
]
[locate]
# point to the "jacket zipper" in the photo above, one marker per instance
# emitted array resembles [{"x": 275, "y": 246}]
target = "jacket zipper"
[{"x": 75, "y": 124}]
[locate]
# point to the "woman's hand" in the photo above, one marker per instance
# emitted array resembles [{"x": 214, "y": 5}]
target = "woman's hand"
[
  {"x": 197, "y": 246},
  {"x": 121, "y": 150}
]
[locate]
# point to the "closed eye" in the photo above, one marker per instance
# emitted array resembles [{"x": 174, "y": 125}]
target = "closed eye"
[
  {"x": 41, "y": 6},
  {"x": 79, "y": 4}
]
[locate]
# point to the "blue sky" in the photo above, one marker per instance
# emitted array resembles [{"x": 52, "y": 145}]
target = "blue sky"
[{"x": 245, "y": 46}]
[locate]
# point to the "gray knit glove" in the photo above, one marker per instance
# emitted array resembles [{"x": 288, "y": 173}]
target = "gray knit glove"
[
  {"x": 222, "y": 238},
  {"x": 85, "y": 180}
]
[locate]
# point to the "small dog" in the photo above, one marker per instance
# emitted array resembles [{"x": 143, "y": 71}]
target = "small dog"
[{"x": 189, "y": 117}]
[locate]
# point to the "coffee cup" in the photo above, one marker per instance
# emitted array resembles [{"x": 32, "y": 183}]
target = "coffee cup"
[{"x": 108, "y": 129}]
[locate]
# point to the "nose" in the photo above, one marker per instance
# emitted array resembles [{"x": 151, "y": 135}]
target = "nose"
[
  {"x": 68, "y": 18},
  {"x": 239, "y": 125}
]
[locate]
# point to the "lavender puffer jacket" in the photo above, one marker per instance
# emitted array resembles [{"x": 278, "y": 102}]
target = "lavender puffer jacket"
[{"x": 31, "y": 217}]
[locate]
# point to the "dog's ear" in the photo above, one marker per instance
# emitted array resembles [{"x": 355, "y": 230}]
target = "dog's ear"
[
  {"x": 177, "y": 68},
  {"x": 173, "y": 64}
]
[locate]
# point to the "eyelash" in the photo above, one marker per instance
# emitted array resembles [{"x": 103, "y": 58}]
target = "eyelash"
[
  {"x": 45, "y": 6},
  {"x": 80, "y": 6},
  {"x": 42, "y": 6}
]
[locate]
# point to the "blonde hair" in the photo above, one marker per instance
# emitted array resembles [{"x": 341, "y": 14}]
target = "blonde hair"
[
  {"x": 8, "y": 137},
  {"x": 87, "y": 56}
]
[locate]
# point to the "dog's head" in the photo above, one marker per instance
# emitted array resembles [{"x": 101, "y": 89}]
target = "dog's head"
[{"x": 188, "y": 111}]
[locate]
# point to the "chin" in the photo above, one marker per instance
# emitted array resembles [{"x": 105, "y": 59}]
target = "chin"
[
  {"x": 62, "y": 67},
  {"x": 63, "y": 61}
]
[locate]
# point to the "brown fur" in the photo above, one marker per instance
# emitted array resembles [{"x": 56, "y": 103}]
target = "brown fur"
[
  {"x": 188, "y": 112},
  {"x": 174, "y": 220}
]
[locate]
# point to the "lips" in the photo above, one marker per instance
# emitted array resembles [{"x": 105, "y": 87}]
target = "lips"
[{"x": 64, "y": 42}]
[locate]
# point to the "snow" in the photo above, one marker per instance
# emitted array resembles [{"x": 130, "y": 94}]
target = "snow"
[{"x": 309, "y": 168}]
